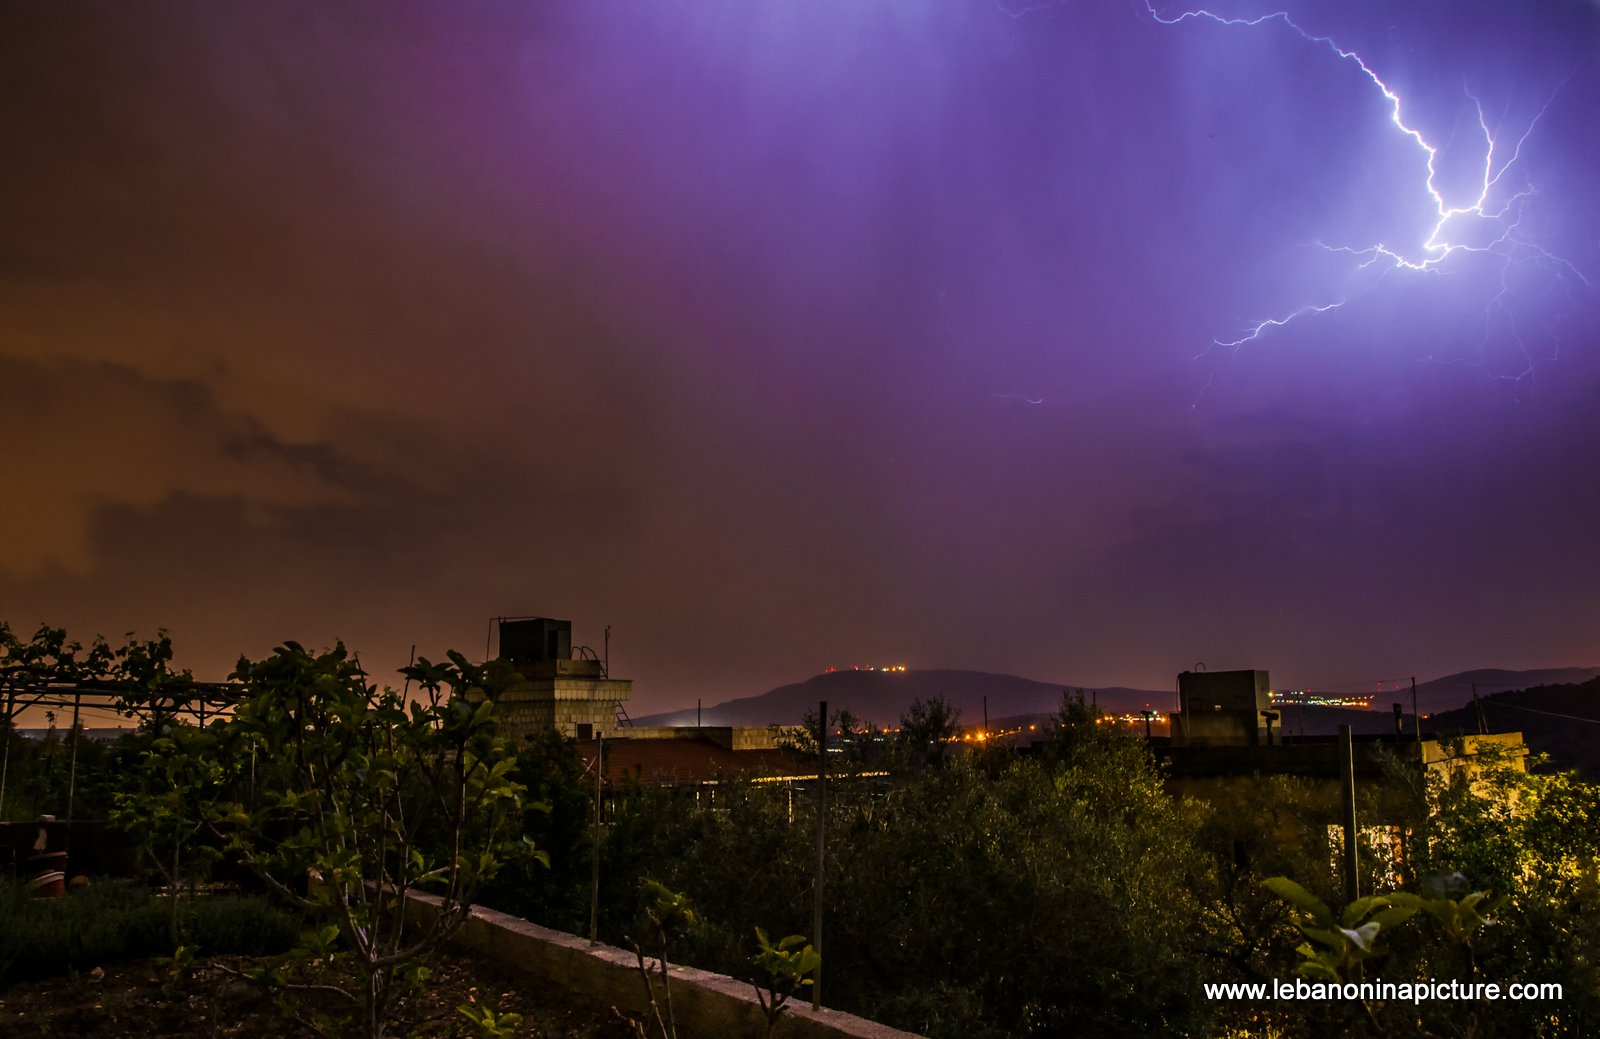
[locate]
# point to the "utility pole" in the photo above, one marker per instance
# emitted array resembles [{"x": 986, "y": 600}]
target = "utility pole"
[
  {"x": 72, "y": 770},
  {"x": 5, "y": 762},
  {"x": 1347, "y": 775},
  {"x": 594, "y": 855},
  {"x": 822, "y": 816},
  {"x": 1416, "y": 715}
]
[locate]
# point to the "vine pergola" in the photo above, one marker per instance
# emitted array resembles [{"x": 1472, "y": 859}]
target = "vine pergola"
[{"x": 184, "y": 698}]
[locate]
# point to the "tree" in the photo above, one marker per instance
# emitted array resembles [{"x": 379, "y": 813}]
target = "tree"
[
  {"x": 345, "y": 800},
  {"x": 926, "y": 730},
  {"x": 853, "y": 744}
]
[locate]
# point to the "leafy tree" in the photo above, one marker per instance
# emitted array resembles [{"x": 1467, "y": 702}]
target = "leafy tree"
[
  {"x": 854, "y": 745},
  {"x": 345, "y": 799},
  {"x": 1038, "y": 899},
  {"x": 164, "y": 806},
  {"x": 558, "y": 816},
  {"x": 926, "y": 730}
]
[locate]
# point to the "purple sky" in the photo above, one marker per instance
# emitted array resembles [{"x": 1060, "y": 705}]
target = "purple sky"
[{"x": 786, "y": 334}]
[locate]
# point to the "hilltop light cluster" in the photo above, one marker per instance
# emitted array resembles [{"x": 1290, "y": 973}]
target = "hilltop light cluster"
[
  {"x": 1308, "y": 698},
  {"x": 1130, "y": 718},
  {"x": 830, "y": 669}
]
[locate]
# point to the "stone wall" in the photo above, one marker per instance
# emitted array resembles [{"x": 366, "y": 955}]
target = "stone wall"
[{"x": 706, "y": 1005}]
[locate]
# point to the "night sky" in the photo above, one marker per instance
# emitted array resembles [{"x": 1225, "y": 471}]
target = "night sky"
[{"x": 786, "y": 334}]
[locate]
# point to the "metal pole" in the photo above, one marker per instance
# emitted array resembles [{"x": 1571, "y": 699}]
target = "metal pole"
[
  {"x": 1347, "y": 775},
  {"x": 5, "y": 760},
  {"x": 594, "y": 855},
  {"x": 822, "y": 816},
  {"x": 1416, "y": 715},
  {"x": 72, "y": 770}
]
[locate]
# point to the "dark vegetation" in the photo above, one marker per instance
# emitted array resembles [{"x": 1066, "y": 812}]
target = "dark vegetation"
[
  {"x": 1556, "y": 720},
  {"x": 981, "y": 894},
  {"x": 120, "y": 920},
  {"x": 144, "y": 1000}
]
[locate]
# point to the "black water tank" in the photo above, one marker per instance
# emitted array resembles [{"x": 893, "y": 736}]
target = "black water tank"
[{"x": 535, "y": 639}]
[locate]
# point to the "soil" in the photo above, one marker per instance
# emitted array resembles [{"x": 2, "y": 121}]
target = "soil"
[{"x": 128, "y": 1000}]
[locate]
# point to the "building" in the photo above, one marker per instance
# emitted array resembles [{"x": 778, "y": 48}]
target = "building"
[
  {"x": 688, "y": 756},
  {"x": 1275, "y": 792},
  {"x": 563, "y": 689},
  {"x": 1225, "y": 728},
  {"x": 1223, "y": 708},
  {"x": 569, "y": 690},
  {"x": 1224, "y": 737}
]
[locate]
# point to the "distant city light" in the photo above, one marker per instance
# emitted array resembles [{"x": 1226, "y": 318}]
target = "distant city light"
[{"x": 1309, "y": 698}]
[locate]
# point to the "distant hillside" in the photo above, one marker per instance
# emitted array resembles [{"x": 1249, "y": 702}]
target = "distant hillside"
[
  {"x": 1562, "y": 721},
  {"x": 882, "y": 697},
  {"x": 1452, "y": 691}
]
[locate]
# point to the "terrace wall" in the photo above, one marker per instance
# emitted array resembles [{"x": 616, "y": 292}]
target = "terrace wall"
[{"x": 706, "y": 1005}]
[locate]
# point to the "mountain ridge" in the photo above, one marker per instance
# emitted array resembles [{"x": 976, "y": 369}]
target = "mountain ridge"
[{"x": 881, "y": 696}]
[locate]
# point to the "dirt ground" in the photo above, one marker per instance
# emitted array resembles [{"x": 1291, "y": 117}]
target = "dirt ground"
[{"x": 139, "y": 999}]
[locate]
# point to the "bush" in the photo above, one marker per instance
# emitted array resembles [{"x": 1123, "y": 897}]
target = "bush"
[
  {"x": 243, "y": 926},
  {"x": 120, "y": 920}
]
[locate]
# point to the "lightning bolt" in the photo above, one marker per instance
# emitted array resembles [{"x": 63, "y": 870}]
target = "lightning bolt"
[{"x": 1498, "y": 210}]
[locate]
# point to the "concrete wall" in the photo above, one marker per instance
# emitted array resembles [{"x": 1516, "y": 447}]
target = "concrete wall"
[
  {"x": 561, "y": 702},
  {"x": 706, "y": 1005}
]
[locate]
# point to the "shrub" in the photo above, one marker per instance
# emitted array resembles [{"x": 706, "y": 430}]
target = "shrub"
[{"x": 120, "y": 920}]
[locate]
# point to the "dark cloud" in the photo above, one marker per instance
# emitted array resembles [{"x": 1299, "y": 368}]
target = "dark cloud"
[{"x": 782, "y": 335}]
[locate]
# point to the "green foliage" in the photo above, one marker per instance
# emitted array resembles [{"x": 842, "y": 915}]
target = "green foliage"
[
  {"x": 1026, "y": 899},
  {"x": 667, "y": 915},
  {"x": 27, "y": 666},
  {"x": 926, "y": 730},
  {"x": 486, "y": 1024},
  {"x": 785, "y": 968},
  {"x": 344, "y": 799},
  {"x": 38, "y": 777},
  {"x": 854, "y": 745},
  {"x": 1077, "y": 729},
  {"x": 1337, "y": 945},
  {"x": 558, "y": 814},
  {"x": 119, "y": 920},
  {"x": 163, "y": 809}
]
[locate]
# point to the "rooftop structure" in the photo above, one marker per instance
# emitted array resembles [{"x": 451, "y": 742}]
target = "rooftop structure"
[
  {"x": 564, "y": 689},
  {"x": 1222, "y": 708}
]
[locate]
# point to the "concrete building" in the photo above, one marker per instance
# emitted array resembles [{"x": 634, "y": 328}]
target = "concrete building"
[
  {"x": 1223, "y": 736},
  {"x": 1222, "y": 708},
  {"x": 564, "y": 690}
]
